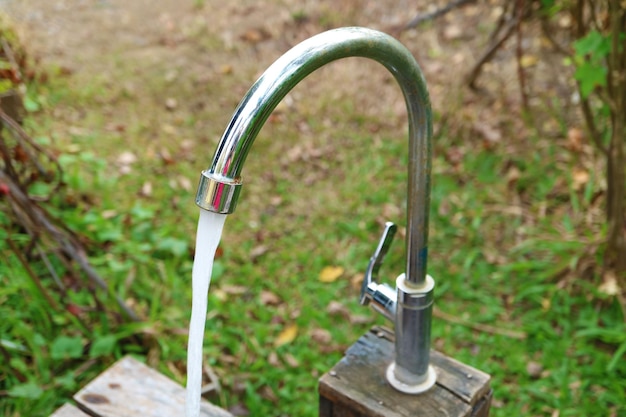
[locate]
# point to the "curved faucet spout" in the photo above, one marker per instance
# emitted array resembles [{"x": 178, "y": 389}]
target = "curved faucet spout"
[{"x": 220, "y": 184}]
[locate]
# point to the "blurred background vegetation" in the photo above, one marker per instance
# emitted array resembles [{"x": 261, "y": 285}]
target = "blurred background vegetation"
[{"x": 99, "y": 166}]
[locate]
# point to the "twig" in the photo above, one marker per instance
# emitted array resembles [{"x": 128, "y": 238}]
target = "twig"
[
  {"x": 590, "y": 121},
  {"x": 36, "y": 220},
  {"x": 51, "y": 269},
  {"x": 32, "y": 274},
  {"x": 423, "y": 17},
  {"x": 84, "y": 367},
  {"x": 513, "y": 334},
  {"x": 214, "y": 384},
  {"x": 547, "y": 33},
  {"x": 521, "y": 10},
  {"x": 8, "y": 53},
  {"x": 502, "y": 20},
  {"x": 25, "y": 139},
  {"x": 585, "y": 106},
  {"x": 489, "y": 53},
  {"x": 521, "y": 76}
]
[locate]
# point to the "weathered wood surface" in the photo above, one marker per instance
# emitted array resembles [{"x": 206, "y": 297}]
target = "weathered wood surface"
[
  {"x": 356, "y": 386},
  {"x": 131, "y": 389},
  {"x": 68, "y": 410}
]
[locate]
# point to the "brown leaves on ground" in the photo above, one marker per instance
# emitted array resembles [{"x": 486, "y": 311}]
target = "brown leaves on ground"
[
  {"x": 609, "y": 284},
  {"x": 335, "y": 308},
  {"x": 268, "y": 298},
  {"x": 124, "y": 162},
  {"x": 321, "y": 336},
  {"x": 255, "y": 35}
]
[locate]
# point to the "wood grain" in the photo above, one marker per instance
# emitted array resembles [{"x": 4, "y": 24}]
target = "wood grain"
[
  {"x": 356, "y": 386},
  {"x": 68, "y": 410},
  {"x": 131, "y": 389}
]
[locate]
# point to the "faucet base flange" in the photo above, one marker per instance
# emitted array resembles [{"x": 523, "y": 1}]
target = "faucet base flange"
[{"x": 428, "y": 383}]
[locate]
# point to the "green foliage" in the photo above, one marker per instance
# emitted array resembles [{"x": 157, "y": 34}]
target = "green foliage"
[
  {"x": 64, "y": 347},
  {"x": 29, "y": 390},
  {"x": 103, "y": 346},
  {"x": 590, "y": 58}
]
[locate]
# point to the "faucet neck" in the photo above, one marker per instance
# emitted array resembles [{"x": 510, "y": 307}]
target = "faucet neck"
[{"x": 220, "y": 184}]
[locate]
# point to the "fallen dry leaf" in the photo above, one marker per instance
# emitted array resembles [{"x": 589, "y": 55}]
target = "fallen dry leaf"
[
  {"x": 268, "y": 393},
  {"x": 255, "y": 35},
  {"x": 276, "y": 200},
  {"x": 534, "y": 369},
  {"x": 454, "y": 155},
  {"x": 529, "y": 61},
  {"x": 239, "y": 410},
  {"x": 452, "y": 32},
  {"x": 512, "y": 175},
  {"x": 219, "y": 294},
  {"x": 391, "y": 211},
  {"x": 330, "y": 273},
  {"x": 234, "y": 289},
  {"x": 108, "y": 214},
  {"x": 268, "y": 298},
  {"x": 171, "y": 103},
  {"x": 185, "y": 183},
  {"x": 357, "y": 319},
  {"x": 288, "y": 335},
  {"x": 609, "y": 285},
  {"x": 575, "y": 139},
  {"x": 580, "y": 178},
  {"x": 356, "y": 281},
  {"x": 273, "y": 360},
  {"x": 490, "y": 134},
  {"x": 146, "y": 189},
  {"x": 125, "y": 160},
  {"x": 321, "y": 336},
  {"x": 335, "y": 308},
  {"x": 258, "y": 251},
  {"x": 169, "y": 129},
  {"x": 166, "y": 157},
  {"x": 291, "y": 360}
]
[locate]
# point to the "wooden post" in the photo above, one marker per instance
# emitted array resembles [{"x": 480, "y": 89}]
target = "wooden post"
[
  {"x": 356, "y": 386},
  {"x": 130, "y": 388}
]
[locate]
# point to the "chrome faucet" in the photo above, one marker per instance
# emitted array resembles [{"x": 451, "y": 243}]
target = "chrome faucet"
[{"x": 410, "y": 305}]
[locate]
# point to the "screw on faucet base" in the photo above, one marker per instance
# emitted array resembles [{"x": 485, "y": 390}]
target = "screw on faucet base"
[{"x": 409, "y": 388}]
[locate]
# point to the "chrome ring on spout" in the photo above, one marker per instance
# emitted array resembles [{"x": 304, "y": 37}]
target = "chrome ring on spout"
[{"x": 220, "y": 184}]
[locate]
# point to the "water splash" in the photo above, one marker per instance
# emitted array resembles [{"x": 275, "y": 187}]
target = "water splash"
[{"x": 208, "y": 236}]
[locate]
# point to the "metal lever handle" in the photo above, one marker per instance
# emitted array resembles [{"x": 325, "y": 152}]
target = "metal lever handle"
[{"x": 382, "y": 296}]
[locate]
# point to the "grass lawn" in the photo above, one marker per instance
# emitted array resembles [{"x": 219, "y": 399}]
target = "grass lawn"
[{"x": 515, "y": 237}]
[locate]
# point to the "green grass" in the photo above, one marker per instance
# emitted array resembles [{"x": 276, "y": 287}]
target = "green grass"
[{"x": 509, "y": 253}]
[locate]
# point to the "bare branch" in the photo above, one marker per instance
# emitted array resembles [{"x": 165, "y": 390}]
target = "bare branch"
[{"x": 424, "y": 17}]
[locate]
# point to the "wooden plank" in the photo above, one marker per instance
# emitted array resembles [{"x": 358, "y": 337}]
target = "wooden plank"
[
  {"x": 131, "y": 389},
  {"x": 462, "y": 380},
  {"x": 68, "y": 410},
  {"x": 357, "y": 387},
  {"x": 482, "y": 407}
]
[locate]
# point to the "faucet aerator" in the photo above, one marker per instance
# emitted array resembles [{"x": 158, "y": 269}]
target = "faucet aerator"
[{"x": 217, "y": 193}]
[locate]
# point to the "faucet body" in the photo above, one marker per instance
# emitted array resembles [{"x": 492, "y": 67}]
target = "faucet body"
[{"x": 220, "y": 185}]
